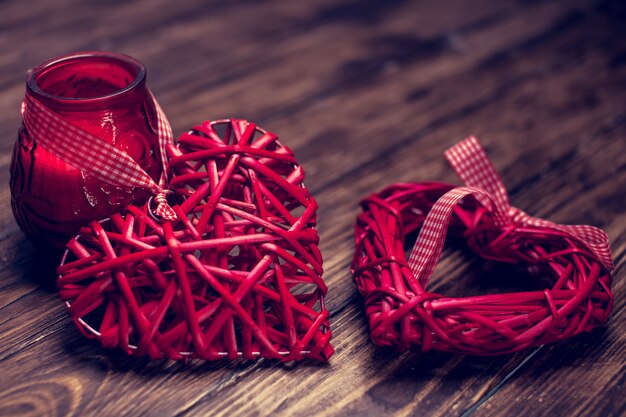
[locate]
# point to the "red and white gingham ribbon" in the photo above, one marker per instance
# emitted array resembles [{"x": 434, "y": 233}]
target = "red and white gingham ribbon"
[
  {"x": 96, "y": 157},
  {"x": 472, "y": 165}
]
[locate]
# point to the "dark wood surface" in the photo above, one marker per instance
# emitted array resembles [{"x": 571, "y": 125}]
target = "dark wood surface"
[{"x": 367, "y": 93}]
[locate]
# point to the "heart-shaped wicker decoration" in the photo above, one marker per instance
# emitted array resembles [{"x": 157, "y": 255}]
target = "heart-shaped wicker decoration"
[
  {"x": 402, "y": 313},
  {"x": 238, "y": 274}
]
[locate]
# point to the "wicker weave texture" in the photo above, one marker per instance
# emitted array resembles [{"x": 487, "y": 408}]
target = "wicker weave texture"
[
  {"x": 404, "y": 314},
  {"x": 238, "y": 274}
]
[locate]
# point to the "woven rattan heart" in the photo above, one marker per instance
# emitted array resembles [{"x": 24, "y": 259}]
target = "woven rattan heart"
[
  {"x": 402, "y": 313},
  {"x": 237, "y": 274}
]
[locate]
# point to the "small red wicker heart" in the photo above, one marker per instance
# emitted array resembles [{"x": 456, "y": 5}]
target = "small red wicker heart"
[
  {"x": 238, "y": 274},
  {"x": 402, "y": 313}
]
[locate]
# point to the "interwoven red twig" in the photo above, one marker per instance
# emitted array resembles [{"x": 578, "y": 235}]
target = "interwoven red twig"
[
  {"x": 402, "y": 313},
  {"x": 239, "y": 274}
]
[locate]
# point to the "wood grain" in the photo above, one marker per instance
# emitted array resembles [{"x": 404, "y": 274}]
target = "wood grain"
[{"x": 367, "y": 93}]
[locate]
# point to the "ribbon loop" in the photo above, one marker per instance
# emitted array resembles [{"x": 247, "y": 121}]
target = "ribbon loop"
[
  {"x": 472, "y": 165},
  {"x": 94, "y": 156},
  {"x": 163, "y": 209},
  {"x": 429, "y": 244}
]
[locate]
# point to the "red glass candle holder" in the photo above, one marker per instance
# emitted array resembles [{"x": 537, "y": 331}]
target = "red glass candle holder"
[{"x": 104, "y": 94}]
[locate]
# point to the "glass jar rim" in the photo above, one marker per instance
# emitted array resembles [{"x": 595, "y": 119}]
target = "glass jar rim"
[{"x": 126, "y": 61}]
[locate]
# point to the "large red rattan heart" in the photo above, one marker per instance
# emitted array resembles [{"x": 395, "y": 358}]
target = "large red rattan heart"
[
  {"x": 402, "y": 313},
  {"x": 237, "y": 274}
]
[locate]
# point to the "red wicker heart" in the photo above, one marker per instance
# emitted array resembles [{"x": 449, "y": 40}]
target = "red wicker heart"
[
  {"x": 402, "y": 313},
  {"x": 239, "y": 274}
]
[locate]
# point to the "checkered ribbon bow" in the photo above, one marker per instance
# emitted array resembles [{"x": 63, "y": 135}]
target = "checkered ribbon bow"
[
  {"x": 472, "y": 165},
  {"x": 96, "y": 157}
]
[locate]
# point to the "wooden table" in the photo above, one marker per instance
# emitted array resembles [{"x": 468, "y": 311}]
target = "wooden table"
[{"x": 367, "y": 93}]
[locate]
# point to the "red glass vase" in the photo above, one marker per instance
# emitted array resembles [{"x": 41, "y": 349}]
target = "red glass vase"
[{"x": 104, "y": 94}]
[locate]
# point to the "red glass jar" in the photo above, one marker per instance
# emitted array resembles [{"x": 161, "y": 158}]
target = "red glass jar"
[{"x": 104, "y": 94}]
